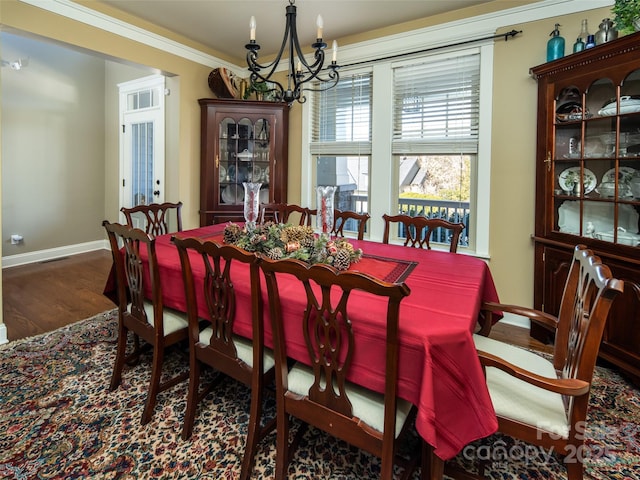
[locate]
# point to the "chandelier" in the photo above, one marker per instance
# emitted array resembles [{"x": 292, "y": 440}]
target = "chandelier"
[{"x": 300, "y": 72}]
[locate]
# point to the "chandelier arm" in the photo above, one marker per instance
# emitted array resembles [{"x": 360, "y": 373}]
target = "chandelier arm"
[
  {"x": 332, "y": 81},
  {"x": 314, "y": 70},
  {"x": 255, "y": 67},
  {"x": 298, "y": 75},
  {"x": 252, "y": 56}
]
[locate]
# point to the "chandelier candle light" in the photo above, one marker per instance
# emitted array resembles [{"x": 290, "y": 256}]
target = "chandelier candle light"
[{"x": 300, "y": 72}]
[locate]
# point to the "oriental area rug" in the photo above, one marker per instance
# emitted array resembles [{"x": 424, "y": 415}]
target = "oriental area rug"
[{"x": 59, "y": 421}]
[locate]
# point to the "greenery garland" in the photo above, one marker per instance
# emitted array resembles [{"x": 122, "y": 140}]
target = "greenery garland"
[
  {"x": 625, "y": 12},
  {"x": 278, "y": 241}
]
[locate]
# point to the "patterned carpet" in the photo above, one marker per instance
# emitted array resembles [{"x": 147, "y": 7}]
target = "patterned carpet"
[{"x": 58, "y": 421}]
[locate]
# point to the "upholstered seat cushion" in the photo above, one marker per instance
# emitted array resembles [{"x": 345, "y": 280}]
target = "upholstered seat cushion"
[
  {"x": 173, "y": 319},
  {"x": 518, "y": 400},
  {"x": 367, "y": 405},
  {"x": 244, "y": 349}
]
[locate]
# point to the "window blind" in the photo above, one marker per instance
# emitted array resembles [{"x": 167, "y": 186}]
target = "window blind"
[
  {"x": 342, "y": 117},
  {"x": 436, "y": 106}
]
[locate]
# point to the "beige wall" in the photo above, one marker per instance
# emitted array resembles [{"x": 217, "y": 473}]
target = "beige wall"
[
  {"x": 513, "y": 140},
  {"x": 192, "y": 85},
  {"x": 513, "y": 147}
]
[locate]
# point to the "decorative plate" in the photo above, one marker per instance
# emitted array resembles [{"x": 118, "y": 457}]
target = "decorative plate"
[
  {"x": 258, "y": 174},
  {"x": 223, "y": 173},
  {"x": 232, "y": 195},
  {"x": 266, "y": 174},
  {"x": 568, "y": 176},
  {"x": 624, "y": 178}
]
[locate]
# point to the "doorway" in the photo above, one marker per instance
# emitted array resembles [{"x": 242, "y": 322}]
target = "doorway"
[{"x": 142, "y": 151}]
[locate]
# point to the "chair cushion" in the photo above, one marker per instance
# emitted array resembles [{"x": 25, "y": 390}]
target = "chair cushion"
[
  {"x": 367, "y": 404},
  {"x": 173, "y": 320},
  {"x": 244, "y": 349},
  {"x": 517, "y": 400}
]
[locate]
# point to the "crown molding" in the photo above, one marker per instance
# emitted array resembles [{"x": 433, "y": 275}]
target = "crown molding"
[
  {"x": 434, "y": 36},
  {"x": 80, "y": 13},
  {"x": 463, "y": 30}
]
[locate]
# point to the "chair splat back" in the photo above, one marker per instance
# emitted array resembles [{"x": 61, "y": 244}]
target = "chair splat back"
[
  {"x": 140, "y": 309},
  {"x": 341, "y": 217},
  {"x": 211, "y": 339},
  {"x": 584, "y": 307},
  {"x": 418, "y": 230},
  {"x": 316, "y": 390},
  {"x": 280, "y": 213},
  {"x": 135, "y": 244},
  {"x": 156, "y": 216},
  {"x": 328, "y": 334},
  {"x": 218, "y": 290}
]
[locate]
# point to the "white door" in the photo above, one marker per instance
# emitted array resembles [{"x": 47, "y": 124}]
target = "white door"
[{"x": 142, "y": 142}]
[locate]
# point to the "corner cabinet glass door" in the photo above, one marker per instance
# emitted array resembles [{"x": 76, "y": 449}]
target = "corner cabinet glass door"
[
  {"x": 241, "y": 141},
  {"x": 595, "y": 162},
  {"x": 244, "y": 156}
]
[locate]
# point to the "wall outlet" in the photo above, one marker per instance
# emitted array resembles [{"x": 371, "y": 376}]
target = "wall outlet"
[{"x": 16, "y": 239}]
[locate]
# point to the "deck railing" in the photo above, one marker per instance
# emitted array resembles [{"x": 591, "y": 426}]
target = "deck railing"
[{"x": 456, "y": 212}]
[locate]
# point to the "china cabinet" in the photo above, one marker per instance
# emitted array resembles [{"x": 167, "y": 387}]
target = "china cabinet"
[
  {"x": 241, "y": 141},
  {"x": 588, "y": 182}
]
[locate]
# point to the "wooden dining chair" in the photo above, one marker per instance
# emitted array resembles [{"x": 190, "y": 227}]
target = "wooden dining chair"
[
  {"x": 418, "y": 230},
  {"x": 159, "y": 327},
  {"x": 211, "y": 339},
  {"x": 544, "y": 402},
  {"x": 157, "y": 217},
  {"x": 341, "y": 217},
  {"x": 281, "y": 213},
  {"x": 369, "y": 420}
]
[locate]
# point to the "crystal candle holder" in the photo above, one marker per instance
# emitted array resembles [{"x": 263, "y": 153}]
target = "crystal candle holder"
[
  {"x": 325, "y": 199},
  {"x": 251, "y": 203}
]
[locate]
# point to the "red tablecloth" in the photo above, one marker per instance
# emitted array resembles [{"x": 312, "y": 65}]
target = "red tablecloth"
[{"x": 438, "y": 367}]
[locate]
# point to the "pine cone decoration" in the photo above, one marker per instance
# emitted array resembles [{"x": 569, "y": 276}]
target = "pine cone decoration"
[
  {"x": 320, "y": 256},
  {"x": 308, "y": 241},
  {"x": 231, "y": 233},
  {"x": 275, "y": 253},
  {"x": 342, "y": 259},
  {"x": 297, "y": 233}
]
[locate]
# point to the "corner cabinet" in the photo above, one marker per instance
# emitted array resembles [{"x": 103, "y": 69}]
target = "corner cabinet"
[
  {"x": 241, "y": 141},
  {"x": 588, "y": 182}
]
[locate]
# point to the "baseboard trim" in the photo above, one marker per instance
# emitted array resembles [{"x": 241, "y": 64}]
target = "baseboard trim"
[
  {"x": 52, "y": 254},
  {"x": 516, "y": 320}
]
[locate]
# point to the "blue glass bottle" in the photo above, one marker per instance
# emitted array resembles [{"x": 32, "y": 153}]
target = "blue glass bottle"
[
  {"x": 591, "y": 42},
  {"x": 555, "y": 45}
]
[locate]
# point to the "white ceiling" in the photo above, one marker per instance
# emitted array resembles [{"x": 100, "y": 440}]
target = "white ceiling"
[{"x": 224, "y": 24}]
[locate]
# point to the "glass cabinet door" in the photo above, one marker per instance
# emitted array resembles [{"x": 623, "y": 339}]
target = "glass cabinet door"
[
  {"x": 595, "y": 162},
  {"x": 244, "y": 156}
]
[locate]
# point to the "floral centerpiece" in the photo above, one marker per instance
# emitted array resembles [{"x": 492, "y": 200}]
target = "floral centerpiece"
[{"x": 278, "y": 241}]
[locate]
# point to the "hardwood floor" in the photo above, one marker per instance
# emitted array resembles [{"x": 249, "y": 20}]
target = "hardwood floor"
[{"x": 41, "y": 297}]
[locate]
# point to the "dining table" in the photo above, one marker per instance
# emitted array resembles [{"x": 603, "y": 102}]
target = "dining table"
[{"x": 439, "y": 371}]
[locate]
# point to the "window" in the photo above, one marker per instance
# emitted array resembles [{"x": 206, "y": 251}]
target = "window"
[
  {"x": 341, "y": 141},
  {"x": 435, "y": 138},
  {"x": 416, "y": 140}
]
